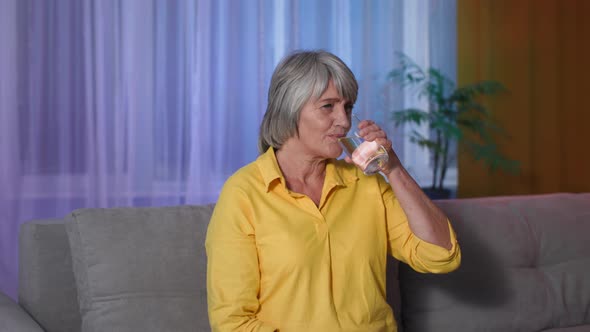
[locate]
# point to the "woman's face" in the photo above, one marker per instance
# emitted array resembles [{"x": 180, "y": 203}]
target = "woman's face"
[{"x": 322, "y": 122}]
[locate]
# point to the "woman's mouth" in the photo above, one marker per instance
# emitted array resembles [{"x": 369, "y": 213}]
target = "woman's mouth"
[{"x": 336, "y": 137}]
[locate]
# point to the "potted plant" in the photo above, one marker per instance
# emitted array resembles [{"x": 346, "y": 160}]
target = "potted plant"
[{"x": 455, "y": 115}]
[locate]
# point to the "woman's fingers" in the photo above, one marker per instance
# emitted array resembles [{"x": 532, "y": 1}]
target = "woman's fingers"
[
  {"x": 373, "y": 135},
  {"x": 387, "y": 144},
  {"x": 370, "y": 131}
]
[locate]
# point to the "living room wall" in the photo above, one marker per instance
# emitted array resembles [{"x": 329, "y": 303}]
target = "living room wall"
[{"x": 539, "y": 50}]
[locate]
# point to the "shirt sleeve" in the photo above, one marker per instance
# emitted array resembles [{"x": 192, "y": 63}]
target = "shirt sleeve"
[
  {"x": 406, "y": 247},
  {"x": 233, "y": 275}
]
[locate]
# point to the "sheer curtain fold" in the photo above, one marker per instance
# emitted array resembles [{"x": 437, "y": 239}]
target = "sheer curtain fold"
[
  {"x": 10, "y": 184},
  {"x": 152, "y": 102}
]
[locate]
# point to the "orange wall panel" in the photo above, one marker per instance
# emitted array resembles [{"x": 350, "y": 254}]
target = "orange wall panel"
[{"x": 539, "y": 49}]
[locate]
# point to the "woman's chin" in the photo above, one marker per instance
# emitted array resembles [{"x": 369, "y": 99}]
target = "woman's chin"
[{"x": 335, "y": 152}]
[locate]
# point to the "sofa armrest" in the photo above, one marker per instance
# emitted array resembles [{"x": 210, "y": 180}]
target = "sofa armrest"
[{"x": 15, "y": 318}]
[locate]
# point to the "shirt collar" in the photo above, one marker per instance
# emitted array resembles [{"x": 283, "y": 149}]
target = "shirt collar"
[
  {"x": 269, "y": 168},
  {"x": 271, "y": 172}
]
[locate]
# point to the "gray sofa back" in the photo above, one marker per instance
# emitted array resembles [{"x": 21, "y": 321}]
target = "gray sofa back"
[
  {"x": 47, "y": 289},
  {"x": 526, "y": 266}
]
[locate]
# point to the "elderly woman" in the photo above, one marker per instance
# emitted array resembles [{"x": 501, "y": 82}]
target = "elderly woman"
[{"x": 299, "y": 240}]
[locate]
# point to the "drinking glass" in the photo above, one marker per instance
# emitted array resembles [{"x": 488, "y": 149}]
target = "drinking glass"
[{"x": 369, "y": 156}]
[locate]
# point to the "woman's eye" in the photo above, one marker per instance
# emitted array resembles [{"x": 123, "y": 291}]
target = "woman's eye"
[
  {"x": 349, "y": 108},
  {"x": 328, "y": 106}
]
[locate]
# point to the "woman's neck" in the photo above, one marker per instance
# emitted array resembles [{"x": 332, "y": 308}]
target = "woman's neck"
[
  {"x": 303, "y": 174},
  {"x": 299, "y": 166}
]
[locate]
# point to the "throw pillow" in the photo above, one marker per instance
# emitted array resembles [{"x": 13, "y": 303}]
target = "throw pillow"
[{"x": 140, "y": 269}]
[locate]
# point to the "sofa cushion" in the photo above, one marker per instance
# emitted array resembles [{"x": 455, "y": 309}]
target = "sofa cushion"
[
  {"x": 580, "y": 328},
  {"x": 14, "y": 318},
  {"x": 525, "y": 267},
  {"x": 140, "y": 269},
  {"x": 46, "y": 288}
]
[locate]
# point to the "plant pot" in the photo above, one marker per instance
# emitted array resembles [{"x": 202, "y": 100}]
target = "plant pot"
[{"x": 437, "y": 193}]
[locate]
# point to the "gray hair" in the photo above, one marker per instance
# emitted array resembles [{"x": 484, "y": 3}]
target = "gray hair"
[{"x": 300, "y": 76}]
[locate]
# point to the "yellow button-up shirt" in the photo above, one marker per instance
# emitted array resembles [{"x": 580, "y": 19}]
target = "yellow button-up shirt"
[{"x": 278, "y": 262}]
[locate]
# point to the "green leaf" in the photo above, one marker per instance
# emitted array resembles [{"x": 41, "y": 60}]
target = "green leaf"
[
  {"x": 448, "y": 129},
  {"x": 489, "y": 154},
  {"x": 410, "y": 115},
  {"x": 469, "y": 92}
]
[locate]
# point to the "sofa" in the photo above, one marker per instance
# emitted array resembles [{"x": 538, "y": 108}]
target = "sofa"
[{"x": 525, "y": 267}]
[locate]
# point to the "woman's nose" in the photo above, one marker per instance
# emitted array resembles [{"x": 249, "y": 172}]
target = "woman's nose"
[{"x": 342, "y": 118}]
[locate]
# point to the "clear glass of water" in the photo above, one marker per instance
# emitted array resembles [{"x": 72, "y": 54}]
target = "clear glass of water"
[{"x": 369, "y": 156}]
